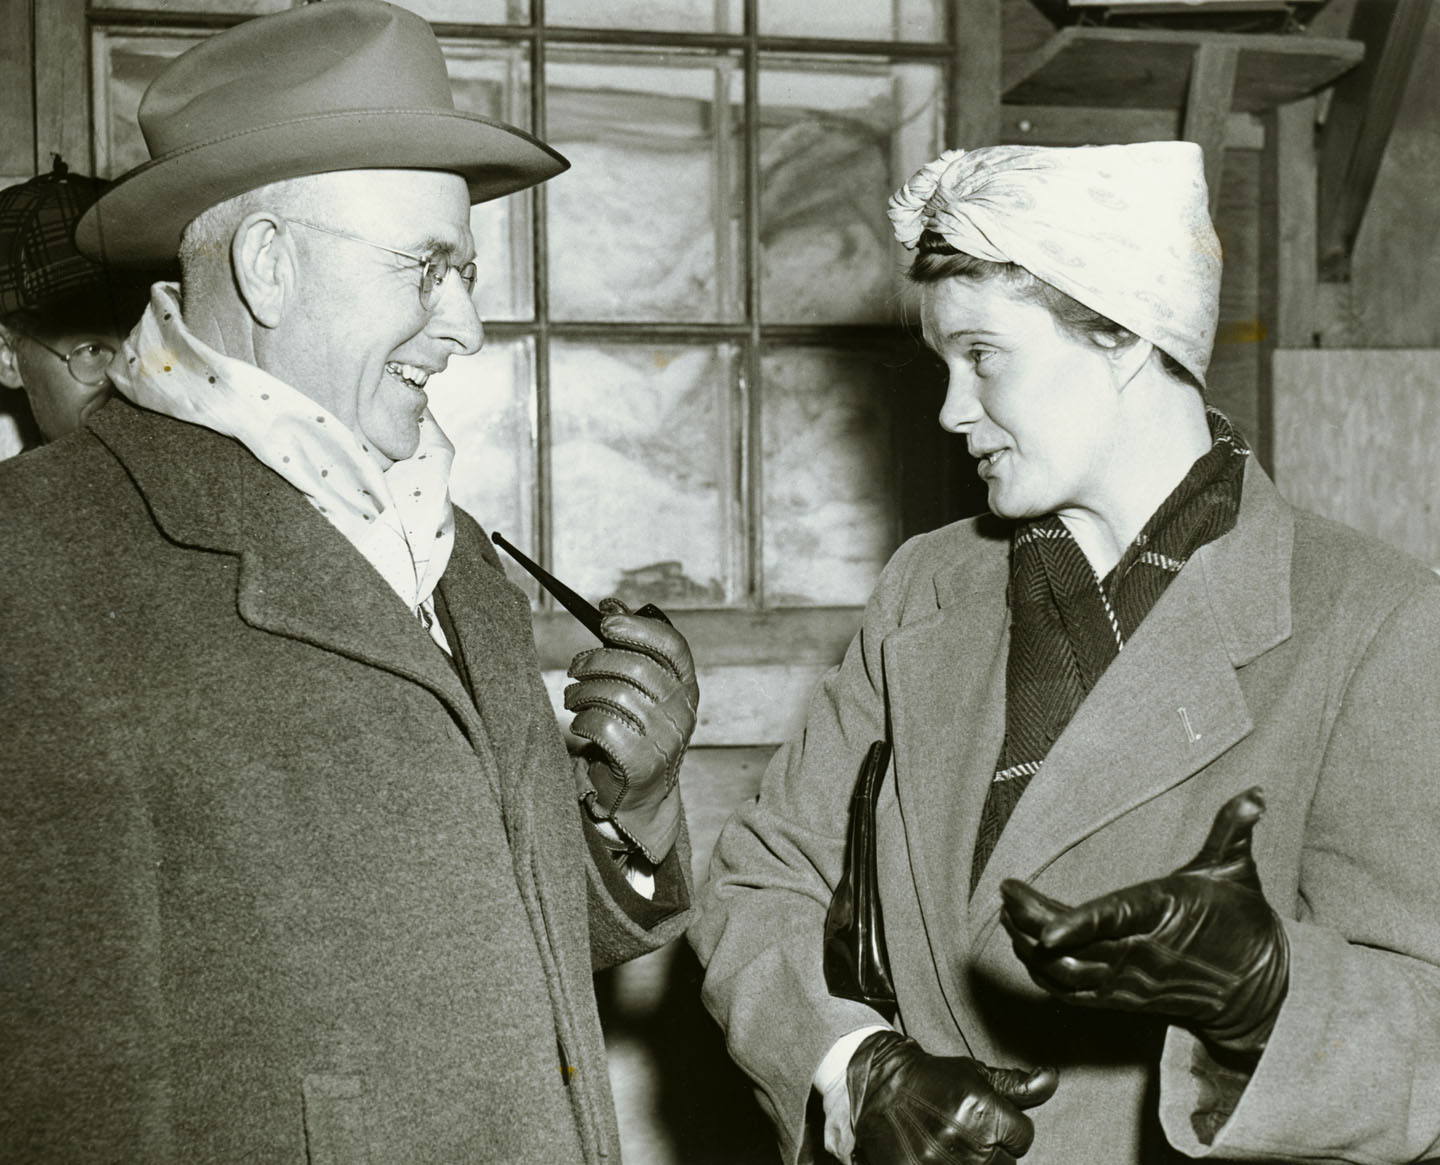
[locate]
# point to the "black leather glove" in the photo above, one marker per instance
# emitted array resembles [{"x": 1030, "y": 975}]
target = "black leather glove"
[
  {"x": 911, "y": 1108},
  {"x": 635, "y": 700},
  {"x": 1201, "y": 947}
]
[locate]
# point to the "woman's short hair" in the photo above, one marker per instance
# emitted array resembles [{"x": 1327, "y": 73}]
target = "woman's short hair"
[{"x": 936, "y": 260}]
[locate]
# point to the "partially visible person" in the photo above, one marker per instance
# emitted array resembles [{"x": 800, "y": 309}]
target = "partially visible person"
[
  {"x": 1106, "y": 946},
  {"x": 63, "y": 316}
]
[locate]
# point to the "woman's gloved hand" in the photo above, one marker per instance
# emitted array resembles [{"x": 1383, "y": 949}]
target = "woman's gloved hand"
[
  {"x": 635, "y": 700},
  {"x": 1200, "y": 947},
  {"x": 911, "y": 1108}
]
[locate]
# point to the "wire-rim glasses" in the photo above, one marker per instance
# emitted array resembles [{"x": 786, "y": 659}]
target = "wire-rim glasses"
[
  {"x": 88, "y": 362},
  {"x": 434, "y": 269}
]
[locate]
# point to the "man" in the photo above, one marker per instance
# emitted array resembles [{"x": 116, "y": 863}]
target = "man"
[
  {"x": 62, "y": 316},
  {"x": 295, "y": 865}
]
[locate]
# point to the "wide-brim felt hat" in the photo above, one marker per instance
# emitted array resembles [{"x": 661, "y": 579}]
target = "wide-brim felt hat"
[{"x": 341, "y": 85}]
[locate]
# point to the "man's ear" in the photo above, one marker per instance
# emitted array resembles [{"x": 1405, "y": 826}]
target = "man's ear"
[
  {"x": 262, "y": 255},
  {"x": 9, "y": 360}
]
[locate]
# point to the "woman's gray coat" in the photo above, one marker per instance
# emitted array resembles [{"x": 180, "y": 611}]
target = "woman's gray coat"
[
  {"x": 1291, "y": 653},
  {"x": 273, "y": 886}
]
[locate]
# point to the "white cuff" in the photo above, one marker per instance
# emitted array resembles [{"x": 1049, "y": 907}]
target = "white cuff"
[
  {"x": 830, "y": 1081},
  {"x": 638, "y": 872}
]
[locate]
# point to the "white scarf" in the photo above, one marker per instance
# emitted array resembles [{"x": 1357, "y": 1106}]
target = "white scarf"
[{"x": 399, "y": 518}]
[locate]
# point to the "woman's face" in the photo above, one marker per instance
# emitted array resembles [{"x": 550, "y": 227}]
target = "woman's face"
[{"x": 1038, "y": 408}]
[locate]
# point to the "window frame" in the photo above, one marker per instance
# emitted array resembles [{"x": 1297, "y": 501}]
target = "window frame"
[{"x": 934, "y": 476}]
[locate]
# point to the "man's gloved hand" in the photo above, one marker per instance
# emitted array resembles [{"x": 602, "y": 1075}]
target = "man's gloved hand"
[
  {"x": 911, "y": 1108},
  {"x": 635, "y": 700},
  {"x": 1200, "y": 947}
]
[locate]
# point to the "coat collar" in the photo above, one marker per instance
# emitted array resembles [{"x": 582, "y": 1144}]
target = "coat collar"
[
  {"x": 1167, "y": 706},
  {"x": 1248, "y": 570}
]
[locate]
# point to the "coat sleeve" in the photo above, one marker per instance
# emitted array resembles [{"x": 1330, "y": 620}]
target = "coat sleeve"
[
  {"x": 774, "y": 868},
  {"x": 623, "y": 923},
  {"x": 1352, "y": 1070}
]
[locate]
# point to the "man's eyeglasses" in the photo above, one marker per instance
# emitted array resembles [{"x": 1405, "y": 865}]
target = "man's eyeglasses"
[
  {"x": 434, "y": 269},
  {"x": 88, "y": 362}
]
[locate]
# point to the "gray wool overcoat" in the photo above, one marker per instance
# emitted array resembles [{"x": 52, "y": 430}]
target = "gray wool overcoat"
[
  {"x": 1293, "y": 654},
  {"x": 273, "y": 886}
]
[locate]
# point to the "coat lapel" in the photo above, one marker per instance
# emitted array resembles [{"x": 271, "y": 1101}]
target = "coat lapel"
[
  {"x": 946, "y": 729},
  {"x": 1129, "y": 742},
  {"x": 299, "y": 577},
  {"x": 1166, "y": 707},
  {"x": 495, "y": 640}
]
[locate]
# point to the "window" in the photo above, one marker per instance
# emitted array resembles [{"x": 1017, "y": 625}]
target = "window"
[{"x": 695, "y": 389}]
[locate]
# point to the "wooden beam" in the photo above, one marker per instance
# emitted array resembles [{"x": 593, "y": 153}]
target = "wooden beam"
[
  {"x": 726, "y": 637},
  {"x": 62, "y": 84},
  {"x": 17, "y": 104},
  {"x": 1207, "y": 108},
  {"x": 1137, "y": 68},
  {"x": 1362, "y": 114},
  {"x": 1287, "y": 254},
  {"x": 973, "y": 116},
  {"x": 1289, "y": 224},
  {"x": 1068, "y": 125}
]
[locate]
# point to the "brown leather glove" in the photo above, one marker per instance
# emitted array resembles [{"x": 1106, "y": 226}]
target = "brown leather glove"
[
  {"x": 1200, "y": 947},
  {"x": 911, "y": 1108},
  {"x": 635, "y": 700}
]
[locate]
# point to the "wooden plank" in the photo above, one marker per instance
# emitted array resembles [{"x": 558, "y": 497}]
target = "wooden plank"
[
  {"x": 1357, "y": 128},
  {"x": 1150, "y": 69},
  {"x": 726, "y": 638},
  {"x": 62, "y": 84},
  {"x": 1290, "y": 223},
  {"x": 1393, "y": 293},
  {"x": 1235, "y": 361},
  {"x": 1071, "y": 125},
  {"x": 1377, "y": 471},
  {"x": 1207, "y": 108},
  {"x": 17, "y": 104},
  {"x": 973, "y": 114}
]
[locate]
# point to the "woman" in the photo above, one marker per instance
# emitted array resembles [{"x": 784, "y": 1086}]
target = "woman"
[{"x": 1084, "y": 691}]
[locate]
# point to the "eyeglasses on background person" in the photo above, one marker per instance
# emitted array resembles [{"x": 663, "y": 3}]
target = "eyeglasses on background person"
[{"x": 88, "y": 362}]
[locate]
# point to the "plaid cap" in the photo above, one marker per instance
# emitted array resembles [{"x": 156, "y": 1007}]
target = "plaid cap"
[{"x": 38, "y": 260}]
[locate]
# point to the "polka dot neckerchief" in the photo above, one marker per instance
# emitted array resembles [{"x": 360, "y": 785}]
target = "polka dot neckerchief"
[{"x": 399, "y": 518}]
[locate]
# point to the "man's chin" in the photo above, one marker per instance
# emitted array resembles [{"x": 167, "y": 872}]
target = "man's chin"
[{"x": 390, "y": 449}]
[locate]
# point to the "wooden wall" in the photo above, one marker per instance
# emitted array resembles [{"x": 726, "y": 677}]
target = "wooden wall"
[{"x": 1356, "y": 386}]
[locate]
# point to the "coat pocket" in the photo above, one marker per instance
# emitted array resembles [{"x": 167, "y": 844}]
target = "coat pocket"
[{"x": 335, "y": 1132}]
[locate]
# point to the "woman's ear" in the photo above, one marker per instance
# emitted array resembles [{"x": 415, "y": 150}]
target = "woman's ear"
[
  {"x": 1128, "y": 354},
  {"x": 262, "y": 255}
]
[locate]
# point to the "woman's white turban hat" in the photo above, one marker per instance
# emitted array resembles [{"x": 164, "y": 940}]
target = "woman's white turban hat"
[{"x": 1123, "y": 229}]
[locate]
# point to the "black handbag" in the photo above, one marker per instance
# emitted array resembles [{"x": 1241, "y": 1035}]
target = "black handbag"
[{"x": 856, "y": 966}]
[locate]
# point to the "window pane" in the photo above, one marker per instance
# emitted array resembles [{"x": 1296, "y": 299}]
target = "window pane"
[
  {"x": 128, "y": 63},
  {"x": 640, "y": 226},
  {"x": 837, "y": 140},
  {"x": 830, "y": 498},
  {"x": 471, "y": 11},
  {"x": 485, "y": 404},
  {"x": 685, "y": 15},
  {"x": 494, "y": 81},
  {"x": 643, "y": 471},
  {"x": 873, "y": 20}
]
